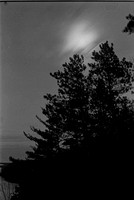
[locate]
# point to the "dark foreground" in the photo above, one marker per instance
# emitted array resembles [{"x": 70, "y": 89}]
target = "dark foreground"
[{"x": 73, "y": 175}]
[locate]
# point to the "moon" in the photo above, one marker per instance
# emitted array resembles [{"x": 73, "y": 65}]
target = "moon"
[{"x": 80, "y": 36}]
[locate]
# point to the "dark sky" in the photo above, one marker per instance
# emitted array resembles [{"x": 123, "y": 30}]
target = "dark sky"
[{"x": 36, "y": 39}]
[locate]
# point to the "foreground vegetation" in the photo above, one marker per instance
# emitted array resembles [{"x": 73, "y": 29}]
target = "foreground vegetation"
[{"x": 88, "y": 131}]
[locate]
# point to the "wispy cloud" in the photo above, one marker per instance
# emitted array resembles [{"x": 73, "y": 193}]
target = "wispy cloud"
[{"x": 81, "y": 35}]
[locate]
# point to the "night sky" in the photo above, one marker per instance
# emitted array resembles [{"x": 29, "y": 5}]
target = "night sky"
[{"x": 36, "y": 39}]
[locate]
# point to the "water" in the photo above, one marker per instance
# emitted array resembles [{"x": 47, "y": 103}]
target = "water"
[{"x": 6, "y": 189}]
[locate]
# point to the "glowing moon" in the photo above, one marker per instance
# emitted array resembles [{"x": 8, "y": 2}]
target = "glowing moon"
[{"x": 79, "y": 37}]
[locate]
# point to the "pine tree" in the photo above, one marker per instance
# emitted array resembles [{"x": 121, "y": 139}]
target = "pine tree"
[
  {"x": 86, "y": 106},
  {"x": 110, "y": 80},
  {"x": 66, "y": 112},
  {"x": 89, "y": 113}
]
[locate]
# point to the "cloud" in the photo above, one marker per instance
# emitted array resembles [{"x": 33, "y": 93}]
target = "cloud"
[{"x": 81, "y": 35}]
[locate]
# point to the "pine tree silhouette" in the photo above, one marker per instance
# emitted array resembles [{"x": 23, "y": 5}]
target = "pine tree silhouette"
[
  {"x": 88, "y": 122},
  {"x": 87, "y": 108},
  {"x": 110, "y": 79},
  {"x": 67, "y": 113}
]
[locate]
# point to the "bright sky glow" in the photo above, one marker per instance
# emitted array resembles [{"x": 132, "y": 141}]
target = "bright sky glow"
[{"x": 80, "y": 36}]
